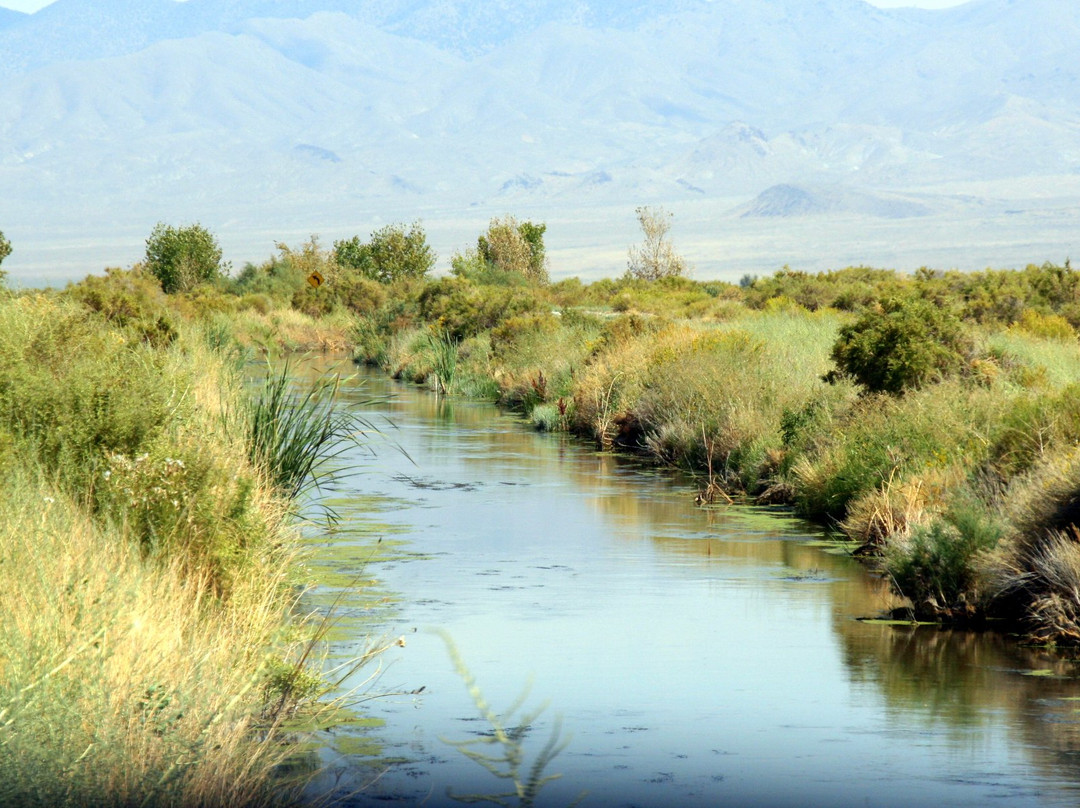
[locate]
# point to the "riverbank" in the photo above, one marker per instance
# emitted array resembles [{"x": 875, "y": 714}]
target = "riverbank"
[
  {"x": 955, "y": 474},
  {"x": 150, "y": 649},
  {"x": 933, "y": 419}
]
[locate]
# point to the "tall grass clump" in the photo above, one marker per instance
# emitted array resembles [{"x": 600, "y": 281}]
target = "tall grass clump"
[
  {"x": 536, "y": 355},
  {"x": 881, "y": 440},
  {"x": 1033, "y": 362},
  {"x": 293, "y": 434},
  {"x": 1036, "y": 576},
  {"x": 443, "y": 353},
  {"x": 124, "y": 682},
  {"x": 711, "y": 396}
]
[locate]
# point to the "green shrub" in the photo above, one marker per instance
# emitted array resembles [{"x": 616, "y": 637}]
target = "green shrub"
[
  {"x": 277, "y": 278},
  {"x": 937, "y": 568},
  {"x": 464, "y": 309},
  {"x": 567, "y": 292},
  {"x": 513, "y": 333},
  {"x": 74, "y": 388},
  {"x": 259, "y": 302},
  {"x": 312, "y": 302},
  {"x": 181, "y": 258},
  {"x": 850, "y": 289},
  {"x": 370, "y": 342},
  {"x": 904, "y": 345},
  {"x": 170, "y": 504},
  {"x": 131, "y": 300},
  {"x": 515, "y": 247},
  {"x": 1046, "y": 326},
  {"x": 204, "y": 303},
  {"x": 358, "y": 295}
]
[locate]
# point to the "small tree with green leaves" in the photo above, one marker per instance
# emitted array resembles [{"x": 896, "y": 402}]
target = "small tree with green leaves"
[
  {"x": 391, "y": 254},
  {"x": 656, "y": 258},
  {"x": 515, "y": 247},
  {"x": 182, "y": 257},
  {"x": 5, "y": 251}
]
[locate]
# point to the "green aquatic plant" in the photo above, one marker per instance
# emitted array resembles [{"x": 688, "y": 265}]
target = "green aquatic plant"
[
  {"x": 502, "y": 751},
  {"x": 293, "y": 434},
  {"x": 442, "y": 351}
]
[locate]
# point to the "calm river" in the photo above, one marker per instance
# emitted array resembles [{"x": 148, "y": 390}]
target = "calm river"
[{"x": 696, "y": 657}]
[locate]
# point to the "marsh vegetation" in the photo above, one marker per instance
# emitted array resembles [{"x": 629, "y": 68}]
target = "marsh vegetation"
[
  {"x": 151, "y": 649},
  {"x": 931, "y": 418}
]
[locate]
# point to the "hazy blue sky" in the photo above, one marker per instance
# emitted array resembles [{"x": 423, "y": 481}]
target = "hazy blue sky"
[{"x": 34, "y": 5}]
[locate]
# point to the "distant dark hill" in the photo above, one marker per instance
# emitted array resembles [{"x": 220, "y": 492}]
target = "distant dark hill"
[{"x": 789, "y": 201}]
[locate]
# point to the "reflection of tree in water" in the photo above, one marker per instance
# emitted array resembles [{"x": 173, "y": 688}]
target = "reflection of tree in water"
[{"x": 959, "y": 681}]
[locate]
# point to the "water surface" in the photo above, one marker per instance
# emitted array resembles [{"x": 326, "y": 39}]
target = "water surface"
[{"x": 697, "y": 657}]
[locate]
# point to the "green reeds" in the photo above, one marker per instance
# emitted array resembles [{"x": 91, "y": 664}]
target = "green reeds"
[
  {"x": 293, "y": 434},
  {"x": 443, "y": 354}
]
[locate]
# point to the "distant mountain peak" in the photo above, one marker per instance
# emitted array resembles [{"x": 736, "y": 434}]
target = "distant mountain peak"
[{"x": 10, "y": 17}]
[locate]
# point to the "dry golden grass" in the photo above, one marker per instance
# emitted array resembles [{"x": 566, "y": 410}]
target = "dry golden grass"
[
  {"x": 1035, "y": 573},
  {"x": 701, "y": 394},
  {"x": 902, "y": 504},
  {"x": 289, "y": 329},
  {"x": 126, "y": 681}
]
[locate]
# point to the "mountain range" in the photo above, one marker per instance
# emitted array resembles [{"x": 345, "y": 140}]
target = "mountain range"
[{"x": 813, "y": 133}]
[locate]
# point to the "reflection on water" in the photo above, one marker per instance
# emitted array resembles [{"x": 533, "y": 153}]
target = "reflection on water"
[{"x": 696, "y": 657}]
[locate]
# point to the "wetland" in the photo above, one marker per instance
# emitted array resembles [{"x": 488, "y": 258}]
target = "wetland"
[{"x": 695, "y": 656}]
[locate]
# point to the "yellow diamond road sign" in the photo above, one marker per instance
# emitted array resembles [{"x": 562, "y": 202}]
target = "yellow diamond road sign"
[{"x": 315, "y": 279}]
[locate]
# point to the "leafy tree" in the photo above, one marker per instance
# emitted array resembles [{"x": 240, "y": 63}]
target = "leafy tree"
[
  {"x": 5, "y": 251},
  {"x": 354, "y": 254},
  {"x": 656, "y": 257},
  {"x": 391, "y": 254},
  {"x": 534, "y": 236},
  {"x": 182, "y": 257},
  {"x": 515, "y": 247},
  {"x": 901, "y": 345}
]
